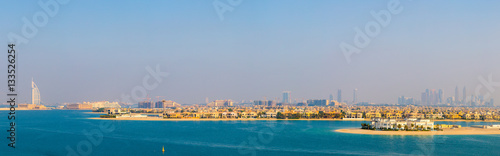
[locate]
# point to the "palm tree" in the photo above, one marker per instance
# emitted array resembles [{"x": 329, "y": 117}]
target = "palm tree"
[{"x": 399, "y": 126}]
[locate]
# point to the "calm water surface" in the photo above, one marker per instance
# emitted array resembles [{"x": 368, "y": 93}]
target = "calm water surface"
[{"x": 57, "y": 132}]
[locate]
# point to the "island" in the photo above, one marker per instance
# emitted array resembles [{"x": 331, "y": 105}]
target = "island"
[{"x": 418, "y": 127}]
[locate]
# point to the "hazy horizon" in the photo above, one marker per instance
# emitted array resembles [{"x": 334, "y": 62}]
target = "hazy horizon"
[{"x": 96, "y": 50}]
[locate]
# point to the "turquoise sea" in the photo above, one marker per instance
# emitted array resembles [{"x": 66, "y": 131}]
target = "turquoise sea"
[{"x": 62, "y": 132}]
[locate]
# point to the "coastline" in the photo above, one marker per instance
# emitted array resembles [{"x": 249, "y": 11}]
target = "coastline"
[
  {"x": 457, "y": 131},
  {"x": 197, "y": 119},
  {"x": 246, "y": 119}
]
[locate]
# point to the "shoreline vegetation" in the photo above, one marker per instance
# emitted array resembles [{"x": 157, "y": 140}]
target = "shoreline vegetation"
[{"x": 445, "y": 131}]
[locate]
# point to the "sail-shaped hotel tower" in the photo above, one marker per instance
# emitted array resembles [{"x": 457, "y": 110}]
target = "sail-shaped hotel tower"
[{"x": 35, "y": 93}]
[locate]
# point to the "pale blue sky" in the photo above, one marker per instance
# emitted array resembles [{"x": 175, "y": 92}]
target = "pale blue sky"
[{"x": 98, "y": 50}]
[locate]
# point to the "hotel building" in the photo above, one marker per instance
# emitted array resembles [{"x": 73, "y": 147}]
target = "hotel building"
[
  {"x": 35, "y": 99},
  {"x": 79, "y": 106},
  {"x": 103, "y": 104}
]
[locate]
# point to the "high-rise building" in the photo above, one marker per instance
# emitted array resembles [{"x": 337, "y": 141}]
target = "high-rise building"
[
  {"x": 166, "y": 103},
  {"x": 35, "y": 94},
  {"x": 431, "y": 97},
  {"x": 146, "y": 104},
  {"x": 464, "y": 97},
  {"x": 320, "y": 102},
  {"x": 450, "y": 100},
  {"x": 427, "y": 97},
  {"x": 220, "y": 103},
  {"x": 456, "y": 96},
  {"x": 286, "y": 97},
  {"x": 440, "y": 92},
  {"x": 409, "y": 101},
  {"x": 402, "y": 100},
  {"x": 331, "y": 97},
  {"x": 271, "y": 103},
  {"x": 339, "y": 96},
  {"x": 354, "y": 96},
  {"x": 259, "y": 103},
  {"x": 423, "y": 98},
  {"x": 268, "y": 103}
]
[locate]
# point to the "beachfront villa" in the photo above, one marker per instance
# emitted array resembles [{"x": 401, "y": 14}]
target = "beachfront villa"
[
  {"x": 487, "y": 126},
  {"x": 379, "y": 123}
]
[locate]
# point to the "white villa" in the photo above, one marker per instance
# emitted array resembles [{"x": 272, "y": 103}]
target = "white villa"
[
  {"x": 486, "y": 126},
  {"x": 379, "y": 123}
]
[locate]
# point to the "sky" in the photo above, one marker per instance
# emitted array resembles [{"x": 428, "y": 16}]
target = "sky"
[{"x": 100, "y": 50}]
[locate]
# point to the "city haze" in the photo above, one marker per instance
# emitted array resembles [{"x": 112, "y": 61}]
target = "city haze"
[{"x": 259, "y": 49}]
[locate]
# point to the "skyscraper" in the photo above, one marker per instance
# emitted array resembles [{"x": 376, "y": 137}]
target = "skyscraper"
[
  {"x": 431, "y": 97},
  {"x": 331, "y": 97},
  {"x": 286, "y": 97},
  {"x": 35, "y": 94},
  {"x": 401, "y": 100},
  {"x": 456, "y": 96},
  {"x": 339, "y": 95},
  {"x": 354, "y": 96},
  {"x": 427, "y": 97},
  {"x": 440, "y": 92},
  {"x": 423, "y": 98},
  {"x": 464, "y": 97}
]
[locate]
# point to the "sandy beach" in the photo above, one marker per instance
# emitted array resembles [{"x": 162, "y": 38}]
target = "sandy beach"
[{"x": 457, "y": 131}]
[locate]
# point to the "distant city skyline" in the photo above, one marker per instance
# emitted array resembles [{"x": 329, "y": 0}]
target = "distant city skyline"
[
  {"x": 433, "y": 97},
  {"x": 260, "y": 49}
]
